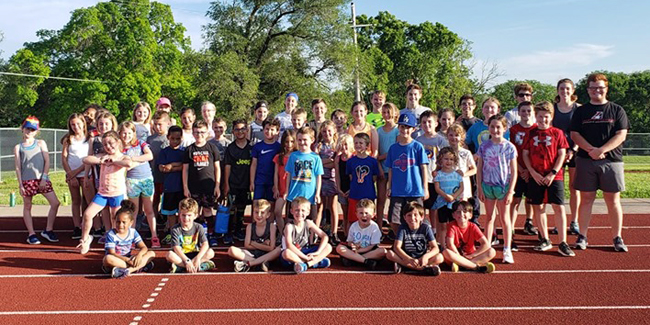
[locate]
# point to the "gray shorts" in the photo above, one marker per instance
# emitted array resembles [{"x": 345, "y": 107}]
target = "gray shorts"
[
  {"x": 593, "y": 175},
  {"x": 397, "y": 205}
]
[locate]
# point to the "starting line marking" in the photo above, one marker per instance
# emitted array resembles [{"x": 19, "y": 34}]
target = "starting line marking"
[{"x": 320, "y": 309}]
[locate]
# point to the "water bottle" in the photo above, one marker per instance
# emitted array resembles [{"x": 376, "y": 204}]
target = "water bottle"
[
  {"x": 66, "y": 198},
  {"x": 12, "y": 199}
]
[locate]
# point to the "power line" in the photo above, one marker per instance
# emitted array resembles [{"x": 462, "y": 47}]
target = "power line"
[{"x": 48, "y": 77}]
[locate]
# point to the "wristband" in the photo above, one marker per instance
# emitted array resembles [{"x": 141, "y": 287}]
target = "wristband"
[
  {"x": 188, "y": 260},
  {"x": 45, "y": 177}
]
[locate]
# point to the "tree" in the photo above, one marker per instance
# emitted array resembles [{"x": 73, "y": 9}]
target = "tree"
[
  {"x": 504, "y": 92},
  {"x": 19, "y": 93}
]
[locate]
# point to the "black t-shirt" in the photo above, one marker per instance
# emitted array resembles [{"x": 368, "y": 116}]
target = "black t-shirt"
[
  {"x": 598, "y": 124},
  {"x": 562, "y": 121},
  {"x": 200, "y": 175},
  {"x": 239, "y": 160},
  {"x": 467, "y": 123}
]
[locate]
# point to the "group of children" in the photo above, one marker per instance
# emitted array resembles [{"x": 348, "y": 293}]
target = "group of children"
[{"x": 295, "y": 174}]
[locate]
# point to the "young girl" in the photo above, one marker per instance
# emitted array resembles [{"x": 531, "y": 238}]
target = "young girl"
[
  {"x": 466, "y": 164},
  {"x": 208, "y": 111},
  {"x": 255, "y": 129},
  {"x": 345, "y": 150},
  {"x": 142, "y": 120},
  {"x": 260, "y": 242},
  {"x": 446, "y": 117},
  {"x": 319, "y": 109},
  {"x": 360, "y": 125},
  {"x": 112, "y": 184},
  {"x": 90, "y": 112},
  {"x": 119, "y": 242},
  {"x": 187, "y": 120},
  {"x": 387, "y": 137},
  {"x": 139, "y": 178},
  {"x": 340, "y": 119},
  {"x": 32, "y": 165},
  {"x": 449, "y": 186},
  {"x": 288, "y": 143},
  {"x": 75, "y": 147},
  {"x": 326, "y": 149},
  {"x": 165, "y": 105},
  {"x": 496, "y": 165}
]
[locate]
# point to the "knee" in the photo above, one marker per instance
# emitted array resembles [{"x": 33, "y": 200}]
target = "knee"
[
  {"x": 492, "y": 253},
  {"x": 341, "y": 249},
  {"x": 171, "y": 257},
  {"x": 328, "y": 249},
  {"x": 232, "y": 250}
]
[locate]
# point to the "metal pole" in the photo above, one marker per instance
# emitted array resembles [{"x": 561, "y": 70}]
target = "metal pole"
[{"x": 357, "y": 86}]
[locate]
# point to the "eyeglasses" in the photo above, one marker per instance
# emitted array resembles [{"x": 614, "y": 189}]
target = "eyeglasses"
[
  {"x": 239, "y": 130},
  {"x": 200, "y": 132},
  {"x": 524, "y": 95},
  {"x": 596, "y": 88}
]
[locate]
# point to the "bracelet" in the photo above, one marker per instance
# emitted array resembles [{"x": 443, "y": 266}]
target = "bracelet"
[{"x": 45, "y": 177}]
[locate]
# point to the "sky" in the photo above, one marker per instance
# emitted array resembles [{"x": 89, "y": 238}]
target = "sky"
[{"x": 544, "y": 40}]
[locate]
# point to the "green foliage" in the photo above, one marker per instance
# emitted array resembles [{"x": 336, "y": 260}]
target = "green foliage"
[
  {"x": 504, "y": 92},
  {"x": 20, "y": 92}
]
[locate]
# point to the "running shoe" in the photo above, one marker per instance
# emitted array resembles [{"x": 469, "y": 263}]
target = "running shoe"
[
  {"x": 206, "y": 266},
  {"x": 513, "y": 246},
  {"x": 227, "y": 240},
  {"x": 397, "y": 268},
  {"x": 487, "y": 268},
  {"x": 299, "y": 268},
  {"x": 507, "y": 257},
  {"x": 346, "y": 262},
  {"x": 76, "y": 233},
  {"x": 323, "y": 264},
  {"x": 84, "y": 246},
  {"x": 619, "y": 246},
  {"x": 102, "y": 240},
  {"x": 119, "y": 272},
  {"x": 543, "y": 245},
  {"x": 265, "y": 267},
  {"x": 565, "y": 250},
  {"x": 213, "y": 240},
  {"x": 370, "y": 264},
  {"x": 33, "y": 240},
  {"x": 97, "y": 233},
  {"x": 155, "y": 242},
  {"x": 240, "y": 236},
  {"x": 454, "y": 268},
  {"x": 148, "y": 267},
  {"x": 553, "y": 231},
  {"x": 177, "y": 269},
  {"x": 241, "y": 266},
  {"x": 432, "y": 270},
  {"x": 50, "y": 236},
  {"x": 391, "y": 235},
  {"x": 167, "y": 240},
  {"x": 574, "y": 228},
  {"x": 529, "y": 229},
  {"x": 495, "y": 240},
  {"x": 581, "y": 243}
]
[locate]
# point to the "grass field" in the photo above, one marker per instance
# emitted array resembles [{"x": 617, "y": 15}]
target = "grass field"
[{"x": 637, "y": 182}]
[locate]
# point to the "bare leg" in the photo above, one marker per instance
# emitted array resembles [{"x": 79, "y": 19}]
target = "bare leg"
[
  {"x": 560, "y": 221},
  {"x": 615, "y": 212},
  {"x": 147, "y": 206},
  {"x": 574, "y": 200},
  {"x": 504, "y": 211},
  {"x": 489, "y": 212},
  {"x": 54, "y": 209},
  {"x": 586, "y": 204},
  {"x": 77, "y": 198},
  {"x": 27, "y": 215}
]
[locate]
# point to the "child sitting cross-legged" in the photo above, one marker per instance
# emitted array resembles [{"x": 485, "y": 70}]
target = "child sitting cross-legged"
[
  {"x": 259, "y": 244},
  {"x": 191, "y": 251},
  {"x": 461, "y": 236},
  {"x": 364, "y": 236}
]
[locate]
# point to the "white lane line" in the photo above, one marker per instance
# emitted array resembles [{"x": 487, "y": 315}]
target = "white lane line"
[{"x": 322, "y": 309}]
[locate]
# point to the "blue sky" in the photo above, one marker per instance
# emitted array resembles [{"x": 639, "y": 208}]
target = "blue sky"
[{"x": 544, "y": 39}]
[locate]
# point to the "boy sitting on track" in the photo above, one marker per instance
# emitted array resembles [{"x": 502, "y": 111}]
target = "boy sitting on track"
[
  {"x": 415, "y": 246},
  {"x": 461, "y": 236},
  {"x": 259, "y": 244},
  {"x": 362, "y": 245},
  {"x": 191, "y": 251}
]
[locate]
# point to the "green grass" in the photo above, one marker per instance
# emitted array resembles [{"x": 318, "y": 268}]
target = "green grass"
[
  {"x": 637, "y": 163},
  {"x": 636, "y": 186},
  {"x": 10, "y": 184}
]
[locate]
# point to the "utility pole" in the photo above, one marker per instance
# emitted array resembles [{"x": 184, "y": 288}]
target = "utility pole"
[{"x": 357, "y": 86}]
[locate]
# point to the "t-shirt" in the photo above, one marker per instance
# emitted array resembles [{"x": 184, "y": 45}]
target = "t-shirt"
[
  {"x": 468, "y": 122},
  {"x": 518, "y": 136},
  {"x": 239, "y": 160},
  {"x": 200, "y": 174},
  {"x": 415, "y": 242},
  {"x": 282, "y": 173},
  {"x": 221, "y": 145},
  {"x": 122, "y": 246},
  {"x": 598, "y": 124},
  {"x": 386, "y": 139},
  {"x": 449, "y": 183},
  {"x": 512, "y": 116},
  {"x": 257, "y": 133},
  {"x": 416, "y": 111},
  {"x": 327, "y": 151},
  {"x": 303, "y": 169},
  {"x": 543, "y": 146},
  {"x": 375, "y": 119},
  {"x": 465, "y": 161},
  {"x": 405, "y": 161},
  {"x": 157, "y": 143},
  {"x": 496, "y": 162},
  {"x": 432, "y": 146},
  {"x": 364, "y": 237},
  {"x": 143, "y": 169},
  {"x": 173, "y": 182},
  {"x": 189, "y": 240},
  {"x": 464, "y": 239},
  {"x": 362, "y": 171},
  {"x": 265, "y": 153},
  {"x": 285, "y": 121},
  {"x": 142, "y": 131},
  {"x": 562, "y": 121},
  {"x": 479, "y": 133},
  {"x": 187, "y": 139}
]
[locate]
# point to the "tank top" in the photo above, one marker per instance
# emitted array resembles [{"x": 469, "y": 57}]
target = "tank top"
[
  {"x": 300, "y": 239},
  {"x": 367, "y": 130},
  {"x": 32, "y": 162},
  {"x": 562, "y": 121},
  {"x": 257, "y": 133},
  {"x": 266, "y": 235},
  {"x": 77, "y": 150},
  {"x": 386, "y": 139},
  {"x": 344, "y": 180}
]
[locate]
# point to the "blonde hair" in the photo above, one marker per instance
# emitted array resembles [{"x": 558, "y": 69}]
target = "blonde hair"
[
  {"x": 492, "y": 99},
  {"x": 188, "y": 204},
  {"x": 261, "y": 205},
  {"x": 145, "y": 105},
  {"x": 345, "y": 138},
  {"x": 129, "y": 125},
  {"x": 300, "y": 201},
  {"x": 393, "y": 110},
  {"x": 460, "y": 130},
  {"x": 365, "y": 204},
  {"x": 109, "y": 116},
  {"x": 327, "y": 123}
]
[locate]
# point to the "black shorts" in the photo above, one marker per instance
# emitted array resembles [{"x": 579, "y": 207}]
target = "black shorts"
[
  {"x": 170, "y": 203},
  {"x": 239, "y": 197},
  {"x": 204, "y": 200},
  {"x": 571, "y": 163},
  {"x": 445, "y": 215},
  {"x": 538, "y": 194},
  {"x": 433, "y": 195},
  {"x": 191, "y": 255},
  {"x": 521, "y": 188}
]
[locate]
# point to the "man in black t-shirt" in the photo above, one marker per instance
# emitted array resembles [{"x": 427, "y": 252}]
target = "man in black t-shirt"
[
  {"x": 237, "y": 175},
  {"x": 599, "y": 128}
]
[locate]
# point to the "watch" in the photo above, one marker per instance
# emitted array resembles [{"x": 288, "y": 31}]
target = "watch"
[
  {"x": 553, "y": 171},
  {"x": 188, "y": 260}
]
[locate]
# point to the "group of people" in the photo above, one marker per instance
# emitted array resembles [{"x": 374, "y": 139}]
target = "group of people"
[{"x": 432, "y": 170}]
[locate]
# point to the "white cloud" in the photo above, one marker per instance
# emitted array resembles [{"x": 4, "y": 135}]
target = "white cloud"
[{"x": 576, "y": 55}]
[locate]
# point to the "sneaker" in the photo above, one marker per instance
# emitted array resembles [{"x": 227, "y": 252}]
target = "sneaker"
[
  {"x": 334, "y": 240},
  {"x": 97, "y": 233},
  {"x": 102, "y": 240},
  {"x": 529, "y": 229},
  {"x": 574, "y": 228},
  {"x": 513, "y": 246},
  {"x": 207, "y": 266},
  {"x": 240, "y": 236},
  {"x": 119, "y": 272},
  {"x": 227, "y": 240},
  {"x": 619, "y": 246},
  {"x": 213, "y": 241},
  {"x": 323, "y": 264},
  {"x": 495, "y": 240},
  {"x": 507, "y": 257},
  {"x": 167, "y": 240},
  {"x": 33, "y": 240},
  {"x": 106, "y": 270},
  {"x": 553, "y": 231},
  {"x": 454, "y": 268},
  {"x": 148, "y": 267},
  {"x": 84, "y": 246},
  {"x": 265, "y": 267},
  {"x": 397, "y": 268},
  {"x": 543, "y": 246},
  {"x": 241, "y": 266},
  {"x": 432, "y": 270},
  {"x": 50, "y": 236},
  {"x": 370, "y": 264},
  {"x": 487, "y": 268},
  {"x": 391, "y": 235},
  {"x": 581, "y": 243},
  {"x": 155, "y": 242},
  {"x": 565, "y": 250},
  {"x": 346, "y": 262},
  {"x": 177, "y": 269},
  {"x": 76, "y": 233},
  {"x": 299, "y": 267}
]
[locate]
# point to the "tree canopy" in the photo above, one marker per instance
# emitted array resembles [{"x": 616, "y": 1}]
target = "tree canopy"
[{"x": 505, "y": 93}]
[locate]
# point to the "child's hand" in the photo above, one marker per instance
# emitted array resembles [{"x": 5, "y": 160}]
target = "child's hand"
[
  {"x": 42, "y": 184},
  {"x": 191, "y": 268},
  {"x": 276, "y": 193},
  {"x": 537, "y": 177},
  {"x": 388, "y": 192},
  {"x": 481, "y": 195},
  {"x": 187, "y": 193},
  {"x": 434, "y": 173},
  {"x": 317, "y": 199},
  {"x": 217, "y": 192},
  {"x": 310, "y": 256},
  {"x": 460, "y": 172},
  {"x": 426, "y": 193},
  {"x": 509, "y": 197},
  {"x": 548, "y": 179},
  {"x": 449, "y": 198},
  {"x": 226, "y": 189},
  {"x": 22, "y": 191},
  {"x": 252, "y": 188}
]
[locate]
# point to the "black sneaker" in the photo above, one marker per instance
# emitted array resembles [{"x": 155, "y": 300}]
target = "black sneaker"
[
  {"x": 346, "y": 262},
  {"x": 619, "y": 246},
  {"x": 544, "y": 245},
  {"x": 553, "y": 231},
  {"x": 529, "y": 229},
  {"x": 239, "y": 236},
  {"x": 76, "y": 233},
  {"x": 391, "y": 235},
  {"x": 581, "y": 243},
  {"x": 514, "y": 247},
  {"x": 370, "y": 264},
  {"x": 574, "y": 228},
  {"x": 227, "y": 240},
  {"x": 51, "y": 236},
  {"x": 432, "y": 270},
  {"x": 147, "y": 267},
  {"x": 565, "y": 250}
]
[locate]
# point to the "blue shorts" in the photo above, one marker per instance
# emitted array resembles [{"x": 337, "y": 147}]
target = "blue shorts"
[
  {"x": 494, "y": 192},
  {"x": 111, "y": 201},
  {"x": 139, "y": 187},
  {"x": 264, "y": 192},
  {"x": 304, "y": 250}
]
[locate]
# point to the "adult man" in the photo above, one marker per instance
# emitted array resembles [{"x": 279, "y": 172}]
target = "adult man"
[{"x": 599, "y": 128}]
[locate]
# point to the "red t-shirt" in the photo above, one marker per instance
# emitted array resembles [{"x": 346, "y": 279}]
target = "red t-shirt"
[
  {"x": 543, "y": 146},
  {"x": 464, "y": 239},
  {"x": 518, "y": 136},
  {"x": 282, "y": 174}
]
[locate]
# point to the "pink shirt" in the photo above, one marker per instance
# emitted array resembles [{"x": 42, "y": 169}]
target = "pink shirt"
[{"x": 112, "y": 180}]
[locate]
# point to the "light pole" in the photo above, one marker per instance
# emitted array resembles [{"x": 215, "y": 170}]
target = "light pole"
[{"x": 357, "y": 86}]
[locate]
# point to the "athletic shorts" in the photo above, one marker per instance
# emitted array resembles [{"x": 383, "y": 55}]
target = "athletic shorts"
[
  {"x": 571, "y": 163},
  {"x": 328, "y": 187},
  {"x": 352, "y": 210},
  {"x": 170, "y": 203},
  {"x": 264, "y": 192},
  {"x": 445, "y": 215},
  {"x": 239, "y": 197},
  {"x": 397, "y": 205},
  {"x": 592, "y": 175},
  {"x": 342, "y": 200},
  {"x": 204, "y": 200},
  {"x": 494, "y": 192},
  {"x": 139, "y": 187},
  {"x": 256, "y": 253},
  {"x": 32, "y": 187},
  {"x": 158, "y": 188},
  {"x": 433, "y": 196},
  {"x": 521, "y": 188},
  {"x": 539, "y": 194},
  {"x": 305, "y": 250},
  {"x": 111, "y": 201}
]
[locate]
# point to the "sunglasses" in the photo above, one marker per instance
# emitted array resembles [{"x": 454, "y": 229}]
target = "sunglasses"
[{"x": 521, "y": 95}]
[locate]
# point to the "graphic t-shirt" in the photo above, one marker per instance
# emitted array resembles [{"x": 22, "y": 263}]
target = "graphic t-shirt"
[
  {"x": 303, "y": 168},
  {"x": 157, "y": 143},
  {"x": 479, "y": 133},
  {"x": 518, "y": 136},
  {"x": 364, "y": 237},
  {"x": 449, "y": 183},
  {"x": 375, "y": 119},
  {"x": 464, "y": 239},
  {"x": 598, "y": 124},
  {"x": 542, "y": 146},
  {"x": 122, "y": 246},
  {"x": 264, "y": 153},
  {"x": 496, "y": 162},
  {"x": 362, "y": 171},
  {"x": 239, "y": 160},
  {"x": 415, "y": 242},
  {"x": 405, "y": 161},
  {"x": 189, "y": 240},
  {"x": 173, "y": 181},
  {"x": 200, "y": 174},
  {"x": 432, "y": 146}
]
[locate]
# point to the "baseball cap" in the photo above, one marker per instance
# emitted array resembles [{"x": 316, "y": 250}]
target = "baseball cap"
[
  {"x": 294, "y": 95},
  {"x": 408, "y": 119},
  {"x": 31, "y": 122},
  {"x": 163, "y": 101}
]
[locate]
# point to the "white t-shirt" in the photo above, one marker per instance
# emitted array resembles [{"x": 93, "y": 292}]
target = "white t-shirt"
[
  {"x": 285, "y": 121},
  {"x": 364, "y": 237},
  {"x": 465, "y": 161},
  {"x": 512, "y": 116}
]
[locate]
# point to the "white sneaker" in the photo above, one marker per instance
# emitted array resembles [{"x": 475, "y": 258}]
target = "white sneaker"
[{"x": 507, "y": 256}]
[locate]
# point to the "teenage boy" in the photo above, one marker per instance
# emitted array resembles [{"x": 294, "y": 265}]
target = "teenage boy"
[
  {"x": 544, "y": 153},
  {"x": 305, "y": 170},
  {"x": 461, "y": 238},
  {"x": 190, "y": 249},
  {"x": 237, "y": 161},
  {"x": 363, "y": 171},
  {"x": 364, "y": 237},
  {"x": 467, "y": 106},
  {"x": 319, "y": 109},
  {"x": 290, "y": 103},
  {"x": 262, "y": 167},
  {"x": 170, "y": 164},
  {"x": 208, "y": 110},
  {"x": 157, "y": 142},
  {"x": 523, "y": 92},
  {"x": 377, "y": 100},
  {"x": 413, "y": 96},
  {"x": 408, "y": 173},
  {"x": 298, "y": 118},
  {"x": 432, "y": 143}
]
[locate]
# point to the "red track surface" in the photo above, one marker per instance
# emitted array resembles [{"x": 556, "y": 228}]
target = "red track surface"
[{"x": 54, "y": 284}]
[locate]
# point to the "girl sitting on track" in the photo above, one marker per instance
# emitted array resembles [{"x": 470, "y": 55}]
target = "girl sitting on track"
[{"x": 119, "y": 242}]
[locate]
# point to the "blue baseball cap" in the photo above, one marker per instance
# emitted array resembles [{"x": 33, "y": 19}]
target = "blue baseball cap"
[
  {"x": 294, "y": 95},
  {"x": 408, "y": 119}
]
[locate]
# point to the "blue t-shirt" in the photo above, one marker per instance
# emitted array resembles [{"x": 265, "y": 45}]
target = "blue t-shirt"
[
  {"x": 386, "y": 139},
  {"x": 449, "y": 183},
  {"x": 415, "y": 242},
  {"x": 405, "y": 161},
  {"x": 303, "y": 168},
  {"x": 264, "y": 153},
  {"x": 362, "y": 170},
  {"x": 142, "y": 170},
  {"x": 173, "y": 181},
  {"x": 122, "y": 246},
  {"x": 479, "y": 133}
]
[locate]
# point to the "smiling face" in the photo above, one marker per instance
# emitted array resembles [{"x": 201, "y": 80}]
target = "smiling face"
[
  {"x": 449, "y": 161},
  {"x": 327, "y": 133},
  {"x": 340, "y": 120},
  {"x": 270, "y": 132},
  {"x": 428, "y": 125},
  {"x": 260, "y": 215},
  {"x": 186, "y": 218},
  {"x": 446, "y": 120},
  {"x": 200, "y": 135},
  {"x": 378, "y": 101},
  {"x": 523, "y": 95},
  {"x": 497, "y": 129},
  {"x": 525, "y": 112},
  {"x": 104, "y": 125},
  {"x": 387, "y": 114},
  {"x": 239, "y": 130},
  {"x": 544, "y": 119},
  {"x": 29, "y": 133},
  {"x": 219, "y": 128},
  {"x": 405, "y": 131},
  {"x": 290, "y": 104},
  {"x": 462, "y": 216},
  {"x": 298, "y": 121},
  {"x": 597, "y": 92},
  {"x": 365, "y": 215},
  {"x": 122, "y": 223},
  {"x": 304, "y": 142},
  {"x": 413, "y": 219},
  {"x": 467, "y": 106},
  {"x": 319, "y": 110},
  {"x": 127, "y": 135},
  {"x": 112, "y": 145},
  {"x": 300, "y": 212},
  {"x": 208, "y": 111},
  {"x": 141, "y": 114},
  {"x": 261, "y": 113},
  {"x": 175, "y": 139},
  {"x": 289, "y": 143},
  {"x": 413, "y": 98},
  {"x": 78, "y": 126},
  {"x": 359, "y": 113},
  {"x": 565, "y": 90},
  {"x": 454, "y": 138},
  {"x": 187, "y": 119},
  {"x": 490, "y": 109}
]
